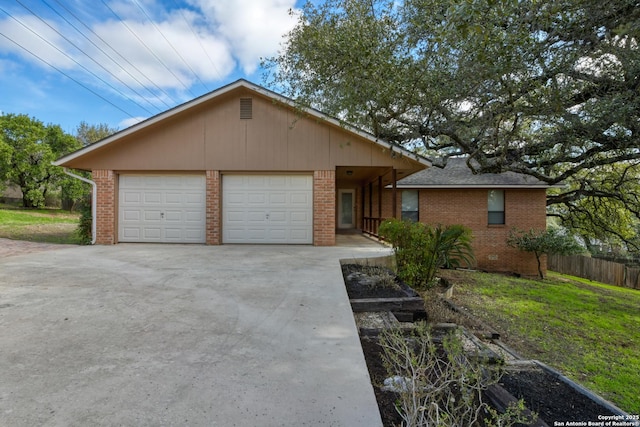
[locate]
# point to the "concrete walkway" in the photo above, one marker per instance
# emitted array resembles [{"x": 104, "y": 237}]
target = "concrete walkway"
[{"x": 163, "y": 335}]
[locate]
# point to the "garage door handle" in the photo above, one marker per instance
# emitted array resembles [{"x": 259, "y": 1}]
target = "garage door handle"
[
  {"x": 161, "y": 214},
  {"x": 267, "y": 216}
]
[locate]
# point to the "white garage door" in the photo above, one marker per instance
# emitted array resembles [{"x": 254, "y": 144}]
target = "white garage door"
[
  {"x": 162, "y": 208},
  {"x": 267, "y": 209}
]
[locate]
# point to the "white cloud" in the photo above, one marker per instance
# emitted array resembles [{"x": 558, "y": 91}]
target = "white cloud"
[
  {"x": 26, "y": 34},
  {"x": 228, "y": 33},
  {"x": 253, "y": 28},
  {"x": 130, "y": 122}
]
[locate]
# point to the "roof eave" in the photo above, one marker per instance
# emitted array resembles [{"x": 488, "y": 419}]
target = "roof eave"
[
  {"x": 472, "y": 186},
  {"x": 221, "y": 91}
]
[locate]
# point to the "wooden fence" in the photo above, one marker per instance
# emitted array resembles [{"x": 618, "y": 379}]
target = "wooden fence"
[{"x": 596, "y": 269}]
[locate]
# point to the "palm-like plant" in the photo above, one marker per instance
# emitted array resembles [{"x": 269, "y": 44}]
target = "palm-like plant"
[{"x": 421, "y": 249}]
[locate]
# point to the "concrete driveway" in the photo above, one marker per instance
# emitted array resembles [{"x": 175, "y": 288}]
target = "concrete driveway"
[{"x": 160, "y": 335}]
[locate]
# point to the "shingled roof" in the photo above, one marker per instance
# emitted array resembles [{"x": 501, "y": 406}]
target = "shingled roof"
[{"x": 456, "y": 174}]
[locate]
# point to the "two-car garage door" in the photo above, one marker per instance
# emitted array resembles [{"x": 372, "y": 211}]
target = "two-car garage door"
[{"x": 255, "y": 209}]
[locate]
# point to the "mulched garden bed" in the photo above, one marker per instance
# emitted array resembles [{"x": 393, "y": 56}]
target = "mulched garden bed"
[
  {"x": 369, "y": 281},
  {"x": 553, "y": 400},
  {"x": 543, "y": 393}
]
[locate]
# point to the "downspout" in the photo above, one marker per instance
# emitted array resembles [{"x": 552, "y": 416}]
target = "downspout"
[{"x": 94, "y": 201}]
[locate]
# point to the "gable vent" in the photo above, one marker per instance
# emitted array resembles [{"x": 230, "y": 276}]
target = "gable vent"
[{"x": 246, "y": 108}]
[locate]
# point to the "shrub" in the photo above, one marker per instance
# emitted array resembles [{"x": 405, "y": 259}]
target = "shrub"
[
  {"x": 85, "y": 225},
  {"x": 440, "y": 386},
  {"x": 421, "y": 249}
]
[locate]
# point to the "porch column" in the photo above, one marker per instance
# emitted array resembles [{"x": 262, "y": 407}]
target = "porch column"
[
  {"x": 380, "y": 197},
  {"x": 213, "y": 208},
  {"x": 106, "y": 206},
  {"x": 324, "y": 208},
  {"x": 370, "y": 199},
  {"x": 394, "y": 199}
]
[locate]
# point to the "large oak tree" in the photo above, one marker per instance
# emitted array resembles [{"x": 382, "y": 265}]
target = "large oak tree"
[{"x": 548, "y": 88}]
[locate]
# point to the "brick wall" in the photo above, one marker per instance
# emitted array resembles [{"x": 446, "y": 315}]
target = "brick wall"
[
  {"x": 213, "y": 208},
  {"x": 324, "y": 208},
  {"x": 524, "y": 209},
  {"x": 106, "y": 207}
]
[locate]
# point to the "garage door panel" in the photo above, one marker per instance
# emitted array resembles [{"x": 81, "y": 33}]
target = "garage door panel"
[
  {"x": 152, "y": 198},
  {"x": 162, "y": 208},
  {"x": 152, "y": 215},
  {"x": 300, "y": 217},
  {"x": 173, "y": 198},
  {"x": 152, "y": 233},
  {"x": 267, "y": 209},
  {"x": 132, "y": 196},
  {"x": 131, "y": 233}
]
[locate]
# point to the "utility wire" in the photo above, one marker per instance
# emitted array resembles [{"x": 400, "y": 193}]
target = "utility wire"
[
  {"x": 65, "y": 74},
  {"x": 93, "y": 60},
  {"x": 123, "y": 22},
  {"x": 213, "y": 64},
  {"x": 170, "y": 44},
  {"x": 110, "y": 57},
  {"x": 122, "y": 57},
  {"x": 72, "y": 59}
]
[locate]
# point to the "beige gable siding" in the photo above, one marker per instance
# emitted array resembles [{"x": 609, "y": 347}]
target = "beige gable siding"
[{"x": 212, "y": 136}]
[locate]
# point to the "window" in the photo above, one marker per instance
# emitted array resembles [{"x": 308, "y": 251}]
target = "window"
[
  {"x": 496, "y": 206},
  {"x": 410, "y": 205}
]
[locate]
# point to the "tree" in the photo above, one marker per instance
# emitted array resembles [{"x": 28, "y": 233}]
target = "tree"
[
  {"x": 88, "y": 134},
  {"x": 549, "y": 241},
  {"x": 547, "y": 88},
  {"x": 28, "y": 148},
  {"x": 74, "y": 190}
]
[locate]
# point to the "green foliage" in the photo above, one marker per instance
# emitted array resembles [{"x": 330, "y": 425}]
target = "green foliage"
[
  {"x": 84, "y": 229},
  {"x": 578, "y": 326},
  {"x": 27, "y": 148},
  {"x": 441, "y": 386},
  {"x": 421, "y": 249},
  {"x": 87, "y": 134},
  {"x": 550, "y": 241},
  {"x": 544, "y": 88}
]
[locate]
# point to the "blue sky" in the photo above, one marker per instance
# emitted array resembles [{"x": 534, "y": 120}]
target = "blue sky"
[{"x": 121, "y": 61}]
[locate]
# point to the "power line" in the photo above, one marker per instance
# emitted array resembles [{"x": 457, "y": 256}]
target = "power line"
[
  {"x": 108, "y": 56},
  {"x": 123, "y": 58},
  {"x": 73, "y": 60},
  {"x": 65, "y": 74},
  {"x": 213, "y": 64},
  {"x": 148, "y": 48},
  {"x": 94, "y": 61},
  {"x": 169, "y": 43}
]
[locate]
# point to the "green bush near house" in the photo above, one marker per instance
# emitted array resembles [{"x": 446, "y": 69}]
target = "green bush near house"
[{"x": 421, "y": 249}]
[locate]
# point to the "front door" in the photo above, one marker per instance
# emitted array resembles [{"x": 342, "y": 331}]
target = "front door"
[{"x": 346, "y": 208}]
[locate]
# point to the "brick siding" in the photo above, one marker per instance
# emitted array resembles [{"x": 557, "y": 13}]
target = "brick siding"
[
  {"x": 106, "y": 207},
  {"x": 213, "y": 208},
  {"x": 525, "y": 209},
  {"x": 324, "y": 208}
]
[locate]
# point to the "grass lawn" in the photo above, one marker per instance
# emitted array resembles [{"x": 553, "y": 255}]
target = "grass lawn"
[
  {"x": 587, "y": 330},
  {"x": 39, "y": 225}
]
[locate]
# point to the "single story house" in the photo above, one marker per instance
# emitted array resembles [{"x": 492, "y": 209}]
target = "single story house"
[
  {"x": 491, "y": 205},
  {"x": 242, "y": 164},
  {"x": 238, "y": 165}
]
